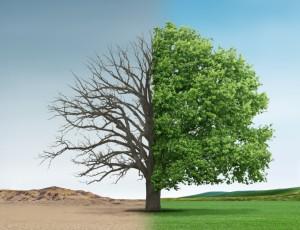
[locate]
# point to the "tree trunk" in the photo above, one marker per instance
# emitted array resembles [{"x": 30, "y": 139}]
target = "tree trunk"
[{"x": 152, "y": 198}]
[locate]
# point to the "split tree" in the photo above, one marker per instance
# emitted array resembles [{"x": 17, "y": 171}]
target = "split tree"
[{"x": 175, "y": 109}]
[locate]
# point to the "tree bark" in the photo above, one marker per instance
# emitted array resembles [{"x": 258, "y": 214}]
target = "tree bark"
[{"x": 152, "y": 197}]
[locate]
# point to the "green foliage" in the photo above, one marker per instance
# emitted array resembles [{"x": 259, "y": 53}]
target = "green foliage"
[
  {"x": 204, "y": 102},
  {"x": 229, "y": 215}
]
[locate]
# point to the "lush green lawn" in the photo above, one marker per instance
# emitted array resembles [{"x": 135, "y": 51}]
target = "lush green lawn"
[{"x": 228, "y": 215}]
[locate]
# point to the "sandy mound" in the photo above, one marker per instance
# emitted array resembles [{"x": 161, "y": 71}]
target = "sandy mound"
[{"x": 53, "y": 194}]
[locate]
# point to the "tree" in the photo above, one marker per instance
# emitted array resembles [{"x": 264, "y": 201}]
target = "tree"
[{"x": 175, "y": 110}]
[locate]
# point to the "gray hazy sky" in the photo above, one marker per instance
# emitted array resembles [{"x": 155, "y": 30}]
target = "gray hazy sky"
[{"x": 41, "y": 42}]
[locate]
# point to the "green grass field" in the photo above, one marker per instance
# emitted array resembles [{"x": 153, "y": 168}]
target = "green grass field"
[
  {"x": 241, "y": 215},
  {"x": 263, "y": 209}
]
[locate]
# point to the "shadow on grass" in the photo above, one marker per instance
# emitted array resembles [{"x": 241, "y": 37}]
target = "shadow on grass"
[
  {"x": 204, "y": 212},
  {"x": 196, "y": 212}
]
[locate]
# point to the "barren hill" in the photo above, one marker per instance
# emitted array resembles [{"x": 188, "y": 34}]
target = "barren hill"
[
  {"x": 57, "y": 208},
  {"x": 52, "y": 194}
]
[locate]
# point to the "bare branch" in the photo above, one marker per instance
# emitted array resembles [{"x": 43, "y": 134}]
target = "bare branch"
[{"x": 108, "y": 123}]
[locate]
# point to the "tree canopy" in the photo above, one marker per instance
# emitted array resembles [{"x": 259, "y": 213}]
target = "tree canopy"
[{"x": 204, "y": 102}]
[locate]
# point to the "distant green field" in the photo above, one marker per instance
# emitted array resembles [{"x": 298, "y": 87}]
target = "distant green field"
[
  {"x": 274, "y": 194},
  {"x": 222, "y": 215}
]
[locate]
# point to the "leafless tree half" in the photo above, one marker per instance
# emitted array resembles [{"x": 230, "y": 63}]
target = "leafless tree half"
[{"x": 113, "y": 113}]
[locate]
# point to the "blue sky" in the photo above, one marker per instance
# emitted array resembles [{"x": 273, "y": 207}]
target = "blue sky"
[{"x": 41, "y": 42}]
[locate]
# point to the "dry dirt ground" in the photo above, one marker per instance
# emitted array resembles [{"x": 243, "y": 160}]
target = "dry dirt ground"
[{"x": 19, "y": 213}]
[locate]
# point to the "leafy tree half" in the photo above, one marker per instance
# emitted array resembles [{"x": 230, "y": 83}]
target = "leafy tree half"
[{"x": 204, "y": 101}]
